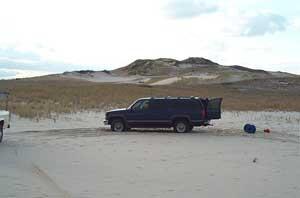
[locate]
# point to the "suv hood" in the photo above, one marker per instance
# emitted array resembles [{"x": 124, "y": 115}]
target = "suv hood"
[
  {"x": 4, "y": 113},
  {"x": 116, "y": 110}
]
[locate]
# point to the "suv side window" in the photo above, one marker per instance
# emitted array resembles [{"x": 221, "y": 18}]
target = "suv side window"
[
  {"x": 158, "y": 104},
  {"x": 183, "y": 104},
  {"x": 136, "y": 106},
  {"x": 145, "y": 105},
  {"x": 141, "y": 105}
]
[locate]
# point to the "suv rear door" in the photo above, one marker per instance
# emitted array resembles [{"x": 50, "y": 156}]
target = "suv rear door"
[
  {"x": 214, "y": 108},
  {"x": 159, "y": 111}
]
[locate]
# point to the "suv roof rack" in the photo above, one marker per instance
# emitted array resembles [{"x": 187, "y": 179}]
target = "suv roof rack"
[
  {"x": 174, "y": 97},
  {"x": 183, "y": 97}
]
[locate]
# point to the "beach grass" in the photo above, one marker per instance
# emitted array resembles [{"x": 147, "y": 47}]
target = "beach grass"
[{"x": 42, "y": 97}]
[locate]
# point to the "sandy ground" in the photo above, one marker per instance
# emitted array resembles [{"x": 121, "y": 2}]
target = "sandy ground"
[
  {"x": 107, "y": 78},
  {"x": 166, "y": 81},
  {"x": 91, "y": 161},
  {"x": 171, "y": 80},
  {"x": 63, "y": 121},
  {"x": 284, "y": 123},
  {"x": 114, "y": 78},
  {"x": 280, "y": 123}
]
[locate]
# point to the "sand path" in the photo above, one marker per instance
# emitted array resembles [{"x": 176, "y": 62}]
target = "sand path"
[{"x": 99, "y": 163}]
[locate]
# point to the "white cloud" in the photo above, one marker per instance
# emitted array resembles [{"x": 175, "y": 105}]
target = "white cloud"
[
  {"x": 264, "y": 23},
  {"x": 189, "y": 8},
  {"x": 295, "y": 23},
  {"x": 97, "y": 34},
  {"x": 20, "y": 73}
]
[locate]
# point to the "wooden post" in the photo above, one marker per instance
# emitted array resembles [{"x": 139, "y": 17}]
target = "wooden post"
[{"x": 6, "y": 105}]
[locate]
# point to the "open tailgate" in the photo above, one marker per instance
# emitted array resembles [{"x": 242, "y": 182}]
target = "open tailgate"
[{"x": 214, "y": 108}]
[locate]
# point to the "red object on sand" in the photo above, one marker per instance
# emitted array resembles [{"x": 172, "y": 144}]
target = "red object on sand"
[{"x": 267, "y": 131}]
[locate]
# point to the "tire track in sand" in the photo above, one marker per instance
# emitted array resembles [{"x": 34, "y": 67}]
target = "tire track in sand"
[
  {"x": 27, "y": 165},
  {"x": 49, "y": 181}
]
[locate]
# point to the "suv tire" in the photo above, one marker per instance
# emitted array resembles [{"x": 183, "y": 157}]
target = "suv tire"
[
  {"x": 118, "y": 125},
  {"x": 181, "y": 126}
]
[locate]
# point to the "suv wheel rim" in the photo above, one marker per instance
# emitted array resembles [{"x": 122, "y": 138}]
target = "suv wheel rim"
[
  {"x": 118, "y": 126},
  {"x": 180, "y": 127}
]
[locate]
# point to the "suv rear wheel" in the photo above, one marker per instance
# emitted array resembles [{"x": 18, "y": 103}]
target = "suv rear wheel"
[
  {"x": 117, "y": 125},
  {"x": 181, "y": 126}
]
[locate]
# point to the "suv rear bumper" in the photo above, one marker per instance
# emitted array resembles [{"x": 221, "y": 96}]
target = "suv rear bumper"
[
  {"x": 201, "y": 123},
  {"x": 105, "y": 122}
]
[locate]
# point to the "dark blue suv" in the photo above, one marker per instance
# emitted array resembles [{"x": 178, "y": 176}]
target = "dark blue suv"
[{"x": 181, "y": 113}]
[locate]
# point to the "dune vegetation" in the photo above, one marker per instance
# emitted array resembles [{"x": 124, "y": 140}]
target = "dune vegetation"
[{"x": 35, "y": 98}]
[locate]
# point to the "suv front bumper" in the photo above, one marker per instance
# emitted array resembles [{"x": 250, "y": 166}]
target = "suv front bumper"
[{"x": 105, "y": 122}]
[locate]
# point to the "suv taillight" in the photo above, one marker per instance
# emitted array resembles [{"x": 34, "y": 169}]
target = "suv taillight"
[{"x": 203, "y": 114}]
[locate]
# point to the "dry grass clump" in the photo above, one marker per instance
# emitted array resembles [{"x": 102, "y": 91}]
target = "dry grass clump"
[{"x": 36, "y": 98}]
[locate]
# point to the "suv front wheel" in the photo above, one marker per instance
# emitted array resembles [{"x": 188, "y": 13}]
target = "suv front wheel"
[
  {"x": 181, "y": 126},
  {"x": 117, "y": 125}
]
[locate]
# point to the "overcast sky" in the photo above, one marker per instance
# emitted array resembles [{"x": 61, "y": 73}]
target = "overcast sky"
[{"x": 41, "y": 36}]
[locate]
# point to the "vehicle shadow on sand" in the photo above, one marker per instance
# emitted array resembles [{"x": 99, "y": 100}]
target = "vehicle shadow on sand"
[
  {"x": 104, "y": 131},
  {"x": 155, "y": 131}
]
